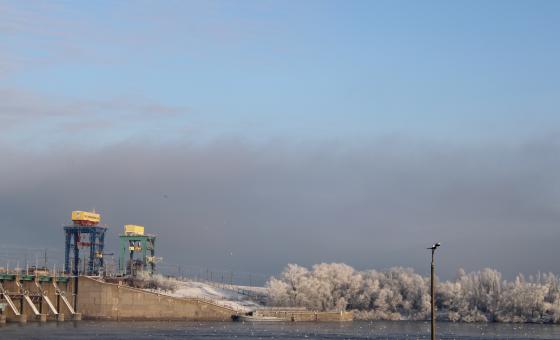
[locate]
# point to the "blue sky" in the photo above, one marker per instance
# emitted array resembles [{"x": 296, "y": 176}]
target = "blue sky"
[
  {"x": 296, "y": 70},
  {"x": 345, "y": 131}
]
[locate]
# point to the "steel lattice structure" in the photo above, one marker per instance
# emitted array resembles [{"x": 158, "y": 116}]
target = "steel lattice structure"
[{"x": 75, "y": 235}]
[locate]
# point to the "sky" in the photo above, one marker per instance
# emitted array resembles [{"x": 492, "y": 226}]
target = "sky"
[{"x": 248, "y": 135}]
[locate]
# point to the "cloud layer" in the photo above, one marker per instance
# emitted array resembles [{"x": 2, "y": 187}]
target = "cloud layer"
[{"x": 234, "y": 205}]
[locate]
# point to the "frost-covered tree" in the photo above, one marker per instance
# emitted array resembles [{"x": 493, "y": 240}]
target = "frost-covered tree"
[{"x": 400, "y": 293}]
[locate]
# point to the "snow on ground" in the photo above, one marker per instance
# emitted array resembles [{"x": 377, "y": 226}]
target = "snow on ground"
[
  {"x": 224, "y": 295},
  {"x": 252, "y": 289}
]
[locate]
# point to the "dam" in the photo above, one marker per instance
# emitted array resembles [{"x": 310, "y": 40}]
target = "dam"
[
  {"x": 112, "y": 301},
  {"x": 84, "y": 289},
  {"x": 50, "y": 298},
  {"x": 39, "y": 297}
]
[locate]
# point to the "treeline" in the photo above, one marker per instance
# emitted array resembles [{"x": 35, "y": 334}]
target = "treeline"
[{"x": 402, "y": 294}]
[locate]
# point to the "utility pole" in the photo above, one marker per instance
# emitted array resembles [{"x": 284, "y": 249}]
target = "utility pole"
[{"x": 433, "y": 291}]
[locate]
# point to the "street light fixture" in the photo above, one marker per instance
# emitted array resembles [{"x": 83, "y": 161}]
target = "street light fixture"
[{"x": 433, "y": 291}]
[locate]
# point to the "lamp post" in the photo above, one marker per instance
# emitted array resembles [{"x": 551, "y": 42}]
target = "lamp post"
[{"x": 433, "y": 291}]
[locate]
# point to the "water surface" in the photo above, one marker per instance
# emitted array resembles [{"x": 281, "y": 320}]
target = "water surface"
[{"x": 231, "y": 330}]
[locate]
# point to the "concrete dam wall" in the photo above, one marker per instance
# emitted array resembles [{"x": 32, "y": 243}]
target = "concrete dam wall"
[
  {"x": 108, "y": 301},
  {"x": 36, "y": 297},
  {"x": 43, "y": 298}
]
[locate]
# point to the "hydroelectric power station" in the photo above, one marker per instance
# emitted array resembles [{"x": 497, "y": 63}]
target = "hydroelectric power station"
[{"x": 85, "y": 289}]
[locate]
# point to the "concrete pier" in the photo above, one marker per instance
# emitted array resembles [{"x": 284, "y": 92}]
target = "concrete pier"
[{"x": 303, "y": 315}]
